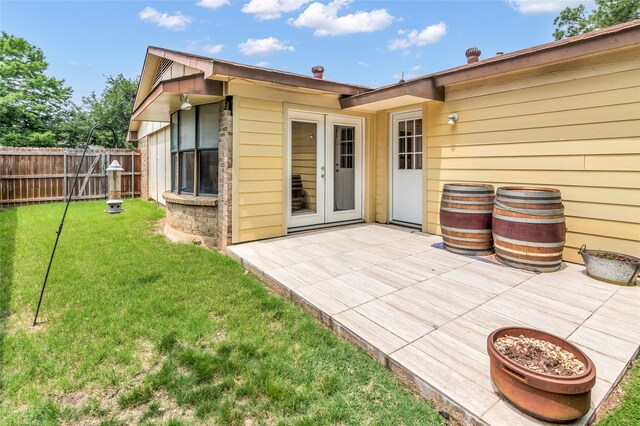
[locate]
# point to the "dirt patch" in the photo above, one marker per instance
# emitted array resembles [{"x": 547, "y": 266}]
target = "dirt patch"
[
  {"x": 74, "y": 399},
  {"x": 158, "y": 227},
  {"x": 23, "y": 321},
  {"x": 540, "y": 356}
]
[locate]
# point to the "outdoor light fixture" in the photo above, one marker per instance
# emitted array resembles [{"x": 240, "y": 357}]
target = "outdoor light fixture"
[
  {"x": 453, "y": 118},
  {"x": 185, "y": 105},
  {"x": 114, "y": 171},
  {"x": 66, "y": 208}
]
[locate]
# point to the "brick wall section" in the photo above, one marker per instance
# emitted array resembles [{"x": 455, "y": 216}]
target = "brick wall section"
[
  {"x": 197, "y": 216},
  {"x": 143, "y": 147},
  {"x": 224, "y": 178}
]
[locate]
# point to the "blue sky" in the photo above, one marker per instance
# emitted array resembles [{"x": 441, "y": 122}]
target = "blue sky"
[{"x": 361, "y": 42}]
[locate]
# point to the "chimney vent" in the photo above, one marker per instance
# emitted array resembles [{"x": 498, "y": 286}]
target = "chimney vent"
[
  {"x": 318, "y": 71},
  {"x": 472, "y": 55}
]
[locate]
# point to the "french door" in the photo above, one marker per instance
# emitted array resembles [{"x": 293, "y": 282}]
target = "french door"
[{"x": 325, "y": 169}]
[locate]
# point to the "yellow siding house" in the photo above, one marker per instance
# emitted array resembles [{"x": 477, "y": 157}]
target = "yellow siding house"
[{"x": 238, "y": 153}]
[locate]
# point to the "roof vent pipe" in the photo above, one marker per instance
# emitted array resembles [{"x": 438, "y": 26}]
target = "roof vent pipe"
[
  {"x": 318, "y": 71},
  {"x": 472, "y": 55}
]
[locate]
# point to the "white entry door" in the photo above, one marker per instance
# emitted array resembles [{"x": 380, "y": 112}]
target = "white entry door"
[
  {"x": 325, "y": 169},
  {"x": 406, "y": 167}
]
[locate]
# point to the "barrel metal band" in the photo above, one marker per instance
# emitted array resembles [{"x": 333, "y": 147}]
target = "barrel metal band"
[
  {"x": 447, "y": 209},
  {"x": 529, "y": 262},
  {"x": 466, "y": 247},
  {"x": 537, "y": 268},
  {"x": 466, "y": 231},
  {"x": 469, "y": 188},
  {"x": 475, "y": 240},
  {"x": 521, "y": 201},
  {"x": 527, "y": 243},
  {"x": 467, "y": 202},
  {"x": 468, "y": 194},
  {"x": 553, "y": 212},
  {"x": 532, "y": 194},
  {"x": 527, "y": 220}
]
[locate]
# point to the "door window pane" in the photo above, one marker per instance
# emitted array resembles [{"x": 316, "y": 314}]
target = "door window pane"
[
  {"x": 418, "y": 164},
  {"x": 418, "y": 144},
  {"x": 409, "y": 127},
  {"x": 187, "y": 171},
  {"x": 343, "y": 174},
  {"x": 303, "y": 167},
  {"x": 208, "y": 126}
]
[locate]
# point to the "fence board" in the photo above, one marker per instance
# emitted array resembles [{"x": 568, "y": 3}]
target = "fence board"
[{"x": 44, "y": 175}]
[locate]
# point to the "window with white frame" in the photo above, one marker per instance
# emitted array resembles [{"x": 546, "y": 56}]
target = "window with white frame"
[
  {"x": 410, "y": 144},
  {"x": 194, "y": 150}
]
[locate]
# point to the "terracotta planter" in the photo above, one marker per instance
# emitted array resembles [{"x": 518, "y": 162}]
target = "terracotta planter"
[{"x": 551, "y": 398}]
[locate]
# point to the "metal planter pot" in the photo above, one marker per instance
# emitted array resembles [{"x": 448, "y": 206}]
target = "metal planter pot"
[
  {"x": 550, "y": 398},
  {"x": 602, "y": 265}
]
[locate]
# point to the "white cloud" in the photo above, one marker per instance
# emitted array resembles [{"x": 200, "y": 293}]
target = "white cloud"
[
  {"x": 325, "y": 21},
  {"x": 363, "y": 64},
  {"x": 272, "y": 9},
  {"x": 80, "y": 64},
  {"x": 213, "y": 48},
  {"x": 545, "y": 6},
  {"x": 264, "y": 46},
  {"x": 213, "y": 4},
  {"x": 177, "y": 22},
  {"x": 262, "y": 64},
  {"x": 417, "y": 68},
  {"x": 429, "y": 35}
]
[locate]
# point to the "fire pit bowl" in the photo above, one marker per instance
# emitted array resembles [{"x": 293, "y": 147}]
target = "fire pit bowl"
[{"x": 552, "y": 398}]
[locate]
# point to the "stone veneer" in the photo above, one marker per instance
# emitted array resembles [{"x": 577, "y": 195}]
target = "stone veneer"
[
  {"x": 206, "y": 219},
  {"x": 192, "y": 219},
  {"x": 225, "y": 168}
]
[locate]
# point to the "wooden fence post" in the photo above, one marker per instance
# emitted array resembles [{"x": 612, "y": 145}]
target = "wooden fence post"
[
  {"x": 133, "y": 174},
  {"x": 64, "y": 177}
]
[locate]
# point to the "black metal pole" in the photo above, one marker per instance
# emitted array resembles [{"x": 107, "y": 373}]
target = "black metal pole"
[{"x": 66, "y": 207}]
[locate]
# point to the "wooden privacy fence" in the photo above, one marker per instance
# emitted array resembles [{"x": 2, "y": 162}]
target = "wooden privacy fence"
[{"x": 42, "y": 175}]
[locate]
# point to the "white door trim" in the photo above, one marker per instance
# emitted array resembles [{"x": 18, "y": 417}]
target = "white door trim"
[{"x": 393, "y": 151}]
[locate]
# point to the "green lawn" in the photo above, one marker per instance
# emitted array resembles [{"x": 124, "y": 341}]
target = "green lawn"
[
  {"x": 627, "y": 413},
  {"x": 139, "y": 330}
]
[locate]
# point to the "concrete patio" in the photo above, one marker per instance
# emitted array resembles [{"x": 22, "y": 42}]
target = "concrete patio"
[{"x": 425, "y": 313}]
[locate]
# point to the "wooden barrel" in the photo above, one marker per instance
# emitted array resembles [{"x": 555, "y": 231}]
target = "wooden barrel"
[
  {"x": 529, "y": 228},
  {"x": 465, "y": 218}
]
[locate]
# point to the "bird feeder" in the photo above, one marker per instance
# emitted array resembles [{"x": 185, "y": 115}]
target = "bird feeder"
[{"x": 114, "y": 173}]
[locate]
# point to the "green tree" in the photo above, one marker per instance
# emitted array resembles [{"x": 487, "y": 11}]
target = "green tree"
[
  {"x": 112, "y": 108},
  {"x": 32, "y": 105},
  {"x": 575, "y": 20}
]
